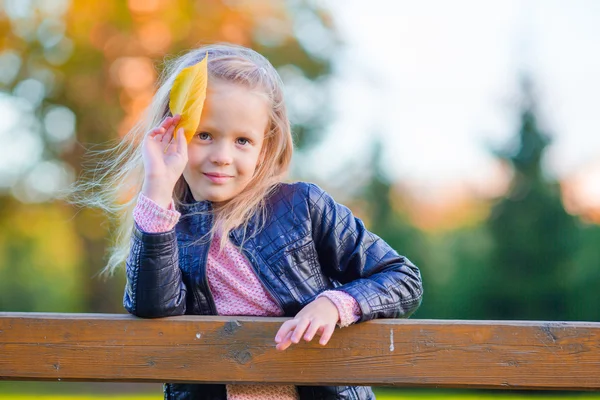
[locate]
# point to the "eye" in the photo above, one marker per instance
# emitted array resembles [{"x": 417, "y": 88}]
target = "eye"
[
  {"x": 203, "y": 135},
  {"x": 243, "y": 141}
]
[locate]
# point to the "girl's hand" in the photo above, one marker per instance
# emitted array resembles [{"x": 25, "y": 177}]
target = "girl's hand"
[
  {"x": 163, "y": 168},
  {"x": 318, "y": 317}
]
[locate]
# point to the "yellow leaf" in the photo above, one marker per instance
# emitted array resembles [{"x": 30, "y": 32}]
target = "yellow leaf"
[{"x": 187, "y": 96}]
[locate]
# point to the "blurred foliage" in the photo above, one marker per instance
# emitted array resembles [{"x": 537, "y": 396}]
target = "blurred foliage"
[
  {"x": 583, "y": 279},
  {"x": 39, "y": 271},
  {"x": 77, "y": 74}
]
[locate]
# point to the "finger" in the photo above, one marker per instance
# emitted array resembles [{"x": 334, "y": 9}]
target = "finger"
[
  {"x": 171, "y": 121},
  {"x": 327, "y": 332},
  {"x": 300, "y": 329},
  {"x": 166, "y": 123},
  {"x": 181, "y": 141},
  {"x": 156, "y": 131},
  {"x": 311, "y": 331},
  {"x": 286, "y": 327},
  {"x": 168, "y": 134},
  {"x": 285, "y": 343}
]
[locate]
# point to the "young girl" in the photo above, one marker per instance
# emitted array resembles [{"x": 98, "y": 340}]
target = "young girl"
[{"x": 217, "y": 232}]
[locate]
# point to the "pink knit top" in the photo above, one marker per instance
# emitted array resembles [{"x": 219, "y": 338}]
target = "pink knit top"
[{"x": 237, "y": 291}]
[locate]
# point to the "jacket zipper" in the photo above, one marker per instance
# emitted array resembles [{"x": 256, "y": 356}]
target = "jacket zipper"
[{"x": 204, "y": 283}]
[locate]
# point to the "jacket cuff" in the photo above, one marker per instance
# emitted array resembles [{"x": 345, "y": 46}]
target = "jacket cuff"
[
  {"x": 152, "y": 218},
  {"x": 347, "y": 306}
]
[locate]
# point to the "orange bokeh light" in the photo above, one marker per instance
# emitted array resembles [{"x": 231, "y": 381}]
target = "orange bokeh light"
[
  {"x": 155, "y": 37},
  {"x": 100, "y": 34},
  {"x": 144, "y": 6},
  {"x": 581, "y": 193},
  {"x": 134, "y": 74}
]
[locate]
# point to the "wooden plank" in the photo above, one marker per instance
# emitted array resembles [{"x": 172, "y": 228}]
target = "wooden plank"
[{"x": 417, "y": 353}]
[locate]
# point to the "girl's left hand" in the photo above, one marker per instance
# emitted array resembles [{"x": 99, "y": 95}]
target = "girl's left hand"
[{"x": 318, "y": 317}]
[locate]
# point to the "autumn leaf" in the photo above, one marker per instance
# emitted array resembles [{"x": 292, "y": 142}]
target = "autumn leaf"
[{"x": 187, "y": 96}]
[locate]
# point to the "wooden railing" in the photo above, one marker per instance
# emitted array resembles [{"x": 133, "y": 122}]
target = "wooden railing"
[{"x": 408, "y": 353}]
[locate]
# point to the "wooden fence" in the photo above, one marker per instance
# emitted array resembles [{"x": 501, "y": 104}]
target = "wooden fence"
[{"x": 407, "y": 353}]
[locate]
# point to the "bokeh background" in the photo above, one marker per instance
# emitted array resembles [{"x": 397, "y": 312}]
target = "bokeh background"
[{"x": 464, "y": 133}]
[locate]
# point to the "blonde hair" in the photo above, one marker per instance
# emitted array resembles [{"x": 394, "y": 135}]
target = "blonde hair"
[{"x": 118, "y": 177}]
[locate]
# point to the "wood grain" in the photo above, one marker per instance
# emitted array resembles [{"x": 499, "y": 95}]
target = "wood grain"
[{"x": 417, "y": 353}]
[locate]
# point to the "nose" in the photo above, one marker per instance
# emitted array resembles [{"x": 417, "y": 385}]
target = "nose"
[{"x": 221, "y": 155}]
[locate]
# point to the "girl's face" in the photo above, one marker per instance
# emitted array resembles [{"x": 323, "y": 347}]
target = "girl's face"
[{"x": 224, "y": 152}]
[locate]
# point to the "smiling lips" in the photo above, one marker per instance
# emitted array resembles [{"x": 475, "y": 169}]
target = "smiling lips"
[{"x": 218, "y": 178}]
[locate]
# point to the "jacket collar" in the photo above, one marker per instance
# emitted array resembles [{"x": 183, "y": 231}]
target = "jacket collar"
[
  {"x": 198, "y": 217},
  {"x": 190, "y": 205}
]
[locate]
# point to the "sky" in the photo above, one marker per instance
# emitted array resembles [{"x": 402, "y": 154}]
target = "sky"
[{"x": 438, "y": 81}]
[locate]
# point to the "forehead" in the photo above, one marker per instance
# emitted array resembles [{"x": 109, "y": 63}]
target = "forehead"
[{"x": 234, "y": 107}]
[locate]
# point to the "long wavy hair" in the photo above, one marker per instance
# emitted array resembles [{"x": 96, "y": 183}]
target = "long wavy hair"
[{"x": 116, "y": 180}]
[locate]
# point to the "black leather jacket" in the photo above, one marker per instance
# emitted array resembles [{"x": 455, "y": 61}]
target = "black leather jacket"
[{"x": 309, "y": 243}]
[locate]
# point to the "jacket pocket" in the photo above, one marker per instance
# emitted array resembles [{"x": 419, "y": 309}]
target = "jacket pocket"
[{"x": 300, "y": 272}]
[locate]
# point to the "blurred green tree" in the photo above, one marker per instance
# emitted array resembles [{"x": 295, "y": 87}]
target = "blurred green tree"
[
  {"x": 534, "y": 240},
  {"x": 455, "y": 272},
  {"x": 584, "y": 296}
]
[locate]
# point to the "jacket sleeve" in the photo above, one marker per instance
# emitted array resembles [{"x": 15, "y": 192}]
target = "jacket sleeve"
[
  {"x": 154, "y": 285},
  {"x": 385, "y": 284}
]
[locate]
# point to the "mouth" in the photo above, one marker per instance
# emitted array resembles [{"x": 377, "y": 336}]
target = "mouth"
[{"x": 218, "y": 178}]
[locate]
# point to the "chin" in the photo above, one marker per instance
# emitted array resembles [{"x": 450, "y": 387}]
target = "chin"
[
  {"x": 219, "y": 200},
  {"x": 215, "y": 198}
]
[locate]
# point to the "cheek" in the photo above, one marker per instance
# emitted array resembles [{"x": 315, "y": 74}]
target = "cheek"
[
  {"x": 250, "y": 163},
  {"x": 187, "y": 176},
  {"x": 194, "y": 157},
  {"x": 191, "y": 167},
  {"x": 188, "y": 167}
]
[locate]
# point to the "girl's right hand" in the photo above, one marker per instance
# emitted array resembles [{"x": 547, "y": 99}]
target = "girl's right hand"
[{"x": 163, "y": 169}]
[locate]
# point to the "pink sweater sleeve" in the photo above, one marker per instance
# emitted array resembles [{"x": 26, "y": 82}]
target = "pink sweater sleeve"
[
  {"x": 152, "y": 218},
  {"x": 347, "y": 306}
]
